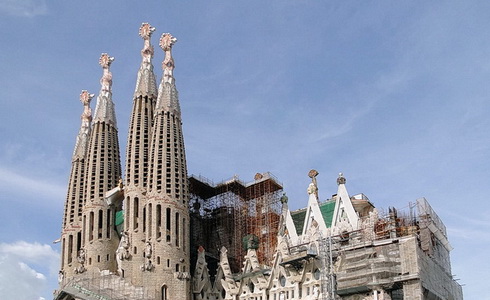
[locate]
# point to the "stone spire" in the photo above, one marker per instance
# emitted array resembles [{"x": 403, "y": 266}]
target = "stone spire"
[
  {"x": 145, "y": 82},
  {"x": 137, "y": 157},
  {"x": 168, "y": 171},
  {"x": 104, "y": 111},
  {"x": 103, "y": 173},
  {"x": 167, "y": 194},
  {"x": 168, "y": 98},
  {"x": 144, "y": 99},
  {"x": 84, "y": 133},
  {"x": 72, "y": 230}
]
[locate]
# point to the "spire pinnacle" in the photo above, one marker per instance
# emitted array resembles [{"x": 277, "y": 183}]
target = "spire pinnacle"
[
  {"x": 146, "y": 83},
  {"x": 104, "y": 110},
  {"x": 168, "y": 98},
  {"x": 85, "y": 98},
  {"x": 146, "y": 30},
  {"x": 83, "y": 134},
  {"x": 105, "y": 62},
  {"x": 341, "y": 179},
  {"x": 166, "y": 43}
]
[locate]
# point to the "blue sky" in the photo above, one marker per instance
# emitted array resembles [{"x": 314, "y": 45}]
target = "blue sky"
[{"x": 394, "y": 94}]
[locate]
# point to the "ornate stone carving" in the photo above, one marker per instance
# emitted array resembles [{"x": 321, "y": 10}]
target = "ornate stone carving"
[
  {"x": 122, "y": 251},
  {"x": 341, "y": 179},
  {"x": 106, "y": 81},
  {"x": 146, "y": 31},
  {"x": 284, "y": 198},
  {"x": 148, "y": 265},
  {"x": 313, "y": 187},
  {"x": 81, "y": 262},
  {"x": 104, "y": 111},
  {"x": 61, "y": 276},
  {"x": 146, "y": 83},
  {"x": 83, "y": 134},
  {"x": 166, "y": 43},
  {"x": 85, "y": 98}
]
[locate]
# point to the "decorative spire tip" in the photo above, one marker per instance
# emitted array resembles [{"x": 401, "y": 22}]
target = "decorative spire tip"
[
  {"x": 86, "y": 97},
  {"x": 341, "y": 179},
  {"x": 105, "y": 60},
  {"x": 146, "y": 31},
  {"x": 166, "y": 43}
]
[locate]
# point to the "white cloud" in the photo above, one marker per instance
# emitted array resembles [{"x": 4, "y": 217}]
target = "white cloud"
[
  {"x": 24, "y": 8},
  {"x": 32, "y": 253},
  {"x": 10, "y": 180},
  {"x": 18, "y": 277}
]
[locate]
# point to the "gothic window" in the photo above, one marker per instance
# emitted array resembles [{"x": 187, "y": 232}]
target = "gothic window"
[
  {"x": 70, "y": 248},
  {"x": 63, "y": 254},
  {"x": 316, "y": 274},
  {"x": 164, "y": 292},
  {"x": 150, "y": 209},
  {"x": 159, "y": 221},
  {"x": 135, "y": 213},
  {"x": 251, "y": 286},
  {"x": 282, "y": 280},
  {"x": 144, "y": 218},
  {"x": 177, "y": 240},
  {"x": 168, "y": 219},
  {"x": 100, "y": 223},
  {"x": 127, "y": 208},
  {"x": 79, "y": 241},
  {"x": 83, "y": 228},
  {"x": 91, "y": 226},
  {"x": 183, "y": 233},
  {"x": 108, "y": 224}
]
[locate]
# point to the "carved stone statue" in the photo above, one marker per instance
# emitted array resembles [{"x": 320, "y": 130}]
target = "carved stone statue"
[
  {"x": 284, "y": 198},
  {"x": 341, "y": 179},
  {"x": 61, "y": 276},
  {"x": 148, "y": 265},
  {"x": 313, "y": 187},
  {"x": 122, "y": 251},
  {"x": 81, "y": 262},
  {"x": 148, "y": 249}
]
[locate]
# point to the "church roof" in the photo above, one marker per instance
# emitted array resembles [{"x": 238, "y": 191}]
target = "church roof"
[{"x": 326, "y": 209}]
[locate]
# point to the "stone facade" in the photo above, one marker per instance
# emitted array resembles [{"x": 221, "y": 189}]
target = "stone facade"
[{"x": 131, "y": 238}]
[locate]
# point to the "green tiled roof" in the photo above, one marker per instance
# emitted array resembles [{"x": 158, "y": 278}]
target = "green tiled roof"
[{"x": 326, "y": 209}]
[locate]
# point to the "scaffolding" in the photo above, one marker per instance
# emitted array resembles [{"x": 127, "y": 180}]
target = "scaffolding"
[
  {"x": 393, "y": 248},
  {"x": 223, "y": 214}
]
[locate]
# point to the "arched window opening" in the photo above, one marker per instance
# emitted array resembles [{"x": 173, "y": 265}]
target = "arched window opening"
[{"x": 164, "y": 292}]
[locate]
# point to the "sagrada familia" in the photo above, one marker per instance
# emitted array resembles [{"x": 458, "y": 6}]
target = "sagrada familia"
[{"x": 157, "y": 233}]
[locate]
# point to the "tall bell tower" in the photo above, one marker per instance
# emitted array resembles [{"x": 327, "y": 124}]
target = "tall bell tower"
[{"x": 103, "y": 173}]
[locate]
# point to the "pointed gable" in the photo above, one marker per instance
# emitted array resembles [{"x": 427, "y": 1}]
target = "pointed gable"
[{"x": 344, "y": 214}]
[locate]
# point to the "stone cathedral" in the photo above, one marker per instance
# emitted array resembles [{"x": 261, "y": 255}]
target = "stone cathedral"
[{"x": 155, "y": 232}]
